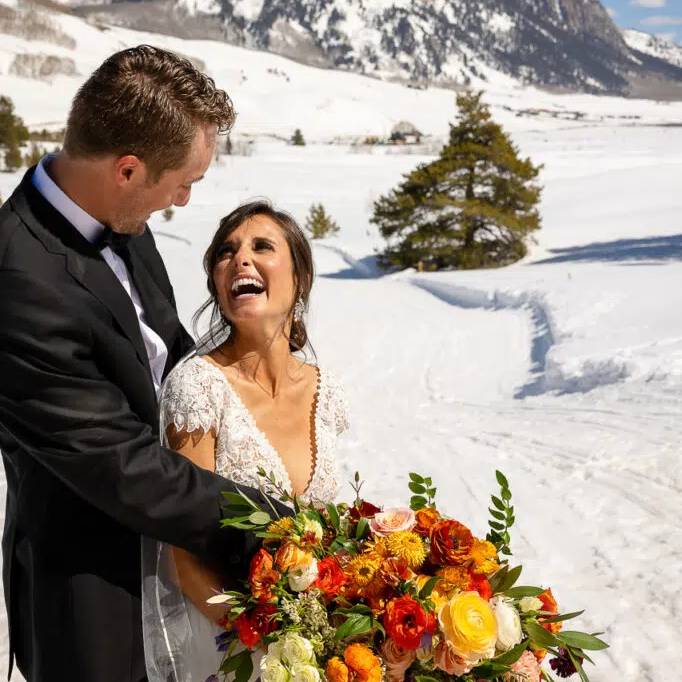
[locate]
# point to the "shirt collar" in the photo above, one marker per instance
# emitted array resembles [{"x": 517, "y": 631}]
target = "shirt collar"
[{"x": 88, "y": 226}]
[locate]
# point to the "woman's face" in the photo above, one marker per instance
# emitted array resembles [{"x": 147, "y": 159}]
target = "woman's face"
[{"x": 253, "y": 275}]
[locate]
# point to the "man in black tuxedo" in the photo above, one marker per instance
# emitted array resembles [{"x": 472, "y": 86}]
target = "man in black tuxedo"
[{"x": 88, "y": 330}]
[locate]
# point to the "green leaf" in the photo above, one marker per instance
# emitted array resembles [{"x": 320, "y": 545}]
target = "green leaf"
[
  {"x": 417, "y": 503},
  {"x": 333, "y": 516},
  {"x": 506, "y": 495},
  {"x": 498, "y": 503},
  {"x": 496, "y": 580},
  {"x": 496, "y": 525},
  {"x": 563, "y": 616},
  {"x": 511, "y": 577},
  {"x": 245, "y": 670},
  {"x": 416, "y": 488},
  {"x": 236, "y": 500},
  {"x": 260, "y": 518},
  {"x": 496, "y": 515},
  {"x": 416, "y": 477},
  {"x": 513, "y": 655},
  {"x": 578, "y": 666},
  {"x": 233, "y": 662},
  {"x": 581, "y": 640},
  {"x": 501, "y": 479},
  {"x": 523, "y": 591},
  {"x": 541, "y": 637},
  {"x": 425, "y": 678},
  {"x": 248, "y": 500},
  {"x": 355, "y": 624},
  {"x": 428, "y": 587},
  {"x": 361, "y": 530}
]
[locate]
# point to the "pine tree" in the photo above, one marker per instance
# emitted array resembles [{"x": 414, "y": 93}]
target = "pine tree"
[
  {"x": 35, "y": 153},
  {"x": 474, "y": 206},
  {"x": 13, "y": 158},
  {"x": 13, "y": 132},
  {"x": 319, "y": 223},
  {"x": 297, "y": 138}
]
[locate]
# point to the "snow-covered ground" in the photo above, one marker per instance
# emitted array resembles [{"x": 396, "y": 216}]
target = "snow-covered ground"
[{"x": 564, "y": 370}]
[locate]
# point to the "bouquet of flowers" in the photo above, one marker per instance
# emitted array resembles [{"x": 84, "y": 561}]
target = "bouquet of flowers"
[{"x": 354, "y": 593}]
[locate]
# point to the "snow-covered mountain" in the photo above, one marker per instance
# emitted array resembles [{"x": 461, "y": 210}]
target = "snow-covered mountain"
[
  {"x": 568, "y": 44},
  {"x": 655, "y": 46}
]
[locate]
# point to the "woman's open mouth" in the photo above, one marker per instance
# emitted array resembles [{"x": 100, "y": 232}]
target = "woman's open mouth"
[{"x": 246, "y": 287}]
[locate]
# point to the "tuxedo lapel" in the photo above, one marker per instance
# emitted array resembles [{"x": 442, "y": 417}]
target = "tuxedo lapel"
[
  {"x": 83, "y": 260},
  {"x": 160, "y": 314}
]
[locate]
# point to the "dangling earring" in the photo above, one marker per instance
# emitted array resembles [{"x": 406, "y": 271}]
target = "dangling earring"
[{"x": 299, "y": 309}]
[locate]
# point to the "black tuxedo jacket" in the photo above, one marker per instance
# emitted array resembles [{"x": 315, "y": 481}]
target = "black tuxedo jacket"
[{"x": 86, "y": 475}]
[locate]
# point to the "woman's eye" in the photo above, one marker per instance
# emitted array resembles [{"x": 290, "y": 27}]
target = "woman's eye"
[
  {"x": 224, "y": 251},
  {"x": 262, "y": 245}
]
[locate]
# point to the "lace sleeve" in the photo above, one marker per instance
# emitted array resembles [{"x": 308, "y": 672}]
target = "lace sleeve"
[
  {"x": 191, "y": 398},
  {"x": 337, "y": 404}
]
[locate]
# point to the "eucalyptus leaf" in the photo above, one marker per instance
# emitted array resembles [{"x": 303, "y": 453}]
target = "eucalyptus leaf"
[
  {"x": 581, "y": 640},
  {"x": 260, "y": 518}
]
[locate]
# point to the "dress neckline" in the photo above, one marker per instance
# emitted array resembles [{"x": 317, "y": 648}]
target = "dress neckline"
[{"x": 263, "y": 437}]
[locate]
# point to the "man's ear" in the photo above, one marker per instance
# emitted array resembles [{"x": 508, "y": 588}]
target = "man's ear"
[{"x": 129, "y": 168}]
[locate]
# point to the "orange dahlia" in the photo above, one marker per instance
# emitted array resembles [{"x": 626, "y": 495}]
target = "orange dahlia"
[{"x": 363, "y": 664}]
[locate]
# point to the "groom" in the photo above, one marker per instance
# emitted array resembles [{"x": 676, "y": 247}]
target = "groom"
[{"x": 88, "y": 330}]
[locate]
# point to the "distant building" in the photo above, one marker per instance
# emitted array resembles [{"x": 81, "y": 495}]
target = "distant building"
[{"x": 405, "y": 132}]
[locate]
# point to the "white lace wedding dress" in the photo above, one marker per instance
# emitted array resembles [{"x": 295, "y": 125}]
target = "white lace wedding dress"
[{"x": 196, "y": 396}]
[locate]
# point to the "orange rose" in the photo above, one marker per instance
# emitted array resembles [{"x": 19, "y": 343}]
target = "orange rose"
[
  {"x": 289, "y": 555},
  {"x": 330, "y": 577},
  {"x": 262, "y": 576},
  {"x": 480, "y": 584},
  {"x": 397, "y": 660},
  {"x": 426, "y": 519},
  {"x": 405, "y": 622},
  {"x": 550, "y": 605},
  {"x": 252, "y": 625},
  {"x": 451, "y": 543}
]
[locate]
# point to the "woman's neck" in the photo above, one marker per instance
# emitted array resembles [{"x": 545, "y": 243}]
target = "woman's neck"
[{"x": 265, "y": 361}]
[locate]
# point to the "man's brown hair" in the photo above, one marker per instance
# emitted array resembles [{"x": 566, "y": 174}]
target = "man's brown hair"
[{"x": 147, "y": 102}]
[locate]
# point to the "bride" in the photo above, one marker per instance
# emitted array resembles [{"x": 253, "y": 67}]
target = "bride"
[{"x": 243, "y": 403}]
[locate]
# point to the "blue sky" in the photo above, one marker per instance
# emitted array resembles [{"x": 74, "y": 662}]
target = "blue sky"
[{"x": 653, "y": 16}]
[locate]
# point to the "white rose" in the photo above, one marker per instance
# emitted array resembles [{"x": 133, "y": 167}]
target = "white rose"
[
  {"x": 275, "y": 650},
  {"x": 509, "y": 632},
  {"x": 530, "y": 604},
  {"x": 303, "y": 575},
  {"x": 297, "y": 650},
  {"x": 305, "y": 673},
  {"x": 271, "y": 670}
]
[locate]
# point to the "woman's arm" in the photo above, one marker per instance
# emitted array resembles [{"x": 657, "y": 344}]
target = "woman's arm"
[{"x": 196, "y": 580}]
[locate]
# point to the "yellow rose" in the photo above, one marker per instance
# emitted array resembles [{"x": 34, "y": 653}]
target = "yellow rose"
[
  {"x": 469, "y": 626},
  {"x": 289, "y": 555}
]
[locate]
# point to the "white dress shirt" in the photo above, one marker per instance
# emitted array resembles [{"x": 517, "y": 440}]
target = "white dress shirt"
[{"x": 91, "y": 230}]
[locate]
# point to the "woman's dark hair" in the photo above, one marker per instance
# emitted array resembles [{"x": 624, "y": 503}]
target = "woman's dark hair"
[{"x": 303, "y": 271}]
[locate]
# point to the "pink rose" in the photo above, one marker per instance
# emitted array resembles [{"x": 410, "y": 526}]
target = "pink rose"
[
  {"x": 449, "y": 662},
  {"x": 397, "y": 660},
  {"x": 392, "y": 521},
  {"x": 526, "y": 665}
]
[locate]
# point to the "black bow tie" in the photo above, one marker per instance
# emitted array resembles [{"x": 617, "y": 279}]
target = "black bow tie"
[{"x": 114, "y": 240}]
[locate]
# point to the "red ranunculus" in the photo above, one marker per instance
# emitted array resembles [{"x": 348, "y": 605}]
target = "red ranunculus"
[
  {"x": 363, "y": 510},
  {"x": 450, "y": 543},
  {"x": 330, "y": 577},
  {"x": 252, "y": 625},
  {"x": 262, "y": 575},
  {"x": 479, "y": 583},
  {"x": 405, "y": 622}
]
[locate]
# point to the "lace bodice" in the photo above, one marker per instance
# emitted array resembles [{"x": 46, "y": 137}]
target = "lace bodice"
[{"x": 197, "y": 396}]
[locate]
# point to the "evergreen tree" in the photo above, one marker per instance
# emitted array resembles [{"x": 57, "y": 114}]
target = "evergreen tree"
[
  {"x": 474, "y": 206},
  {"x": 297, "y": 138},
  {"x": 13, "y": 132},
  {"x": 319, "y": 223},
  {"x": 36, "y": 152},
  {"x": 13, "y": 158}
]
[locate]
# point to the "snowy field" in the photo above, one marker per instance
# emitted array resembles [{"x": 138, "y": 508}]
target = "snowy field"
[{"x": 564, "y": 370}]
